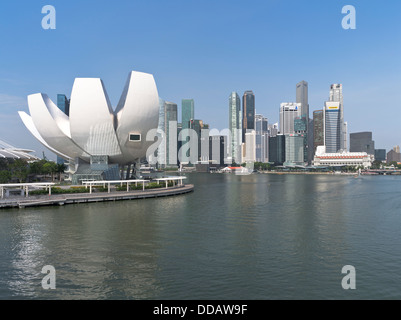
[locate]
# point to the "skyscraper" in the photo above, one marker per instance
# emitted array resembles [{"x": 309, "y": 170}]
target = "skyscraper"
[
  {"x": 302, "y": 98},
  {"x": 63, "y": 104},
  {"x": 288, "y": 112},
  {"x": 301, "y": 127},
  {"x": 294, "y": 150},
  {"x": 277, "y": 149},
  {"x": 262, "y": 138},
  {"x": 235, "y": 126},
  {"x": 248, "y": 112},
  {"x": 332, "y": 127},
  {"x": 336, "y": 95},
  {"x": 161, "y": 128},
  {"x": 318, "y": 129},
  {"x": 188, "y": 112},
  {"x": 171, "y": 136}
]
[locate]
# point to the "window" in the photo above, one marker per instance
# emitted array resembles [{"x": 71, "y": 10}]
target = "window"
[{"x": 134, "y": 137}]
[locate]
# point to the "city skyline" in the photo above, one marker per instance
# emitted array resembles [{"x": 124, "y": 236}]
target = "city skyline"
[{"x": 210, "y": 69}]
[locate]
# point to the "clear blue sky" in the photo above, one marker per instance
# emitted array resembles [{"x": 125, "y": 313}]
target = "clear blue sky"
[{"x": 204, "y": 50}]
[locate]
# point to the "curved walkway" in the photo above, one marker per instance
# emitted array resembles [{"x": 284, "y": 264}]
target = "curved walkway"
[{"x": 63, "y": 199}]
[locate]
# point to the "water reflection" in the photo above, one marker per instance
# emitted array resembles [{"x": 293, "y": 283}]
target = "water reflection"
[{"x": 236, "y": 237}]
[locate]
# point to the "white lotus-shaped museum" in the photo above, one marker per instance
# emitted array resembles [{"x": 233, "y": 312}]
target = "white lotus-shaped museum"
[{"x": 93, "y": 128}]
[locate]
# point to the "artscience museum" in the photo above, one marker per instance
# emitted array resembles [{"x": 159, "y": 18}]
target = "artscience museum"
[{"x": 97, "y": 141}]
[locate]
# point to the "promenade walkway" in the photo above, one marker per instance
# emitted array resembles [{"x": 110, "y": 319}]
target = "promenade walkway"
[{"x": 62, "y": 199}]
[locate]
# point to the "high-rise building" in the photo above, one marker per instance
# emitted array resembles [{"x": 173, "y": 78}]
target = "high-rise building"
[
  {"x": 393, "y": 156},
  {"x": 336, "y": 95},
  {"x": 248, "y": 112},
  {"x": 294, "y": 150},
  {"x": 262, "y": 138},
  {"x": 161, "y": 133},
  {"x": 273, "y": 129},
  {"x": 332, "y": 127},
  {"x": 235, "y": 126},
  {"x": 380, "y": 154},
  {"x": 188, "y": 112},
  {"x": 318, "y": 129},
  {"x": 277, "y": 149},
  {"x": 171, "y": 137},
  {"x": 301, "y": 127},
  {"x": 198, "y": 126},
  {"x": 250, "y": 146},
  {"x": 396, "y": 149},
  {"x": 302, "y": 98},
  {"x": 63, "y": 104},
  {"x": 362, "y": 142},
  {"x": 288, "y": 112}
]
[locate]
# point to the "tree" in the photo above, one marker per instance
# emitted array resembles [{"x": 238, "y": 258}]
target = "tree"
[
  {"x": 19, "y": 170},
  {"x": 5, "y": 176},
  {"x": 50, "y": 167},
  {"x": 61, "y": 167}
]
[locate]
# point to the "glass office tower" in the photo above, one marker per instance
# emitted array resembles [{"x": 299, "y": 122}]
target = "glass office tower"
[{"x": 248, "y": 112}]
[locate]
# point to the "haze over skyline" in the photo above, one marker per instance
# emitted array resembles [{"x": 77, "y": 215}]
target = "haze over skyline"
[{"x": 204, "y": 50}]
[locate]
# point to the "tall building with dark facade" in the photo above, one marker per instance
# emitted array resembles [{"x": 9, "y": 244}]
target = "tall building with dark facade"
[
  {"x": 63, "y": 104},
  {"x": 362, "y": 142},
  {"x": 248, "y": 112},
  {"x": 277, "y": 149},
  {"x": 318, "y": 129},
  {"x": 380, "y": 154}
]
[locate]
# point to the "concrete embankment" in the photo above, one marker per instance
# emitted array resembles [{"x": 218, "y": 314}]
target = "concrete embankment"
[{"x": 33, "y": 201}]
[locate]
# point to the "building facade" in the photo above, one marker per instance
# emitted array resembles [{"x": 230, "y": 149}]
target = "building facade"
[
  {"x": 362, "y": 142},
  {"x": 339, "y": 159},
  {"x": 289, "y": 111},
  {"x": 393, "y": 156},
  {"x": 336, "y": 95},
  {"x": 380, "y": 155},
  {"x": 277, "y": 149},
  {"x": 332, "y": 127},
  {"x": 318, "y": 129},
  {"x": 187, "y": 112},
  {"x": 235, "y": 126},
  {"x": 302, "y": 98},
  {"x": 248, "y": 112},
  {"x": 294, "y": 150},
  {"x": 249, "y": 154},
  {"x": 63, "y": 104},
  {"x": 262, "y": 138},
  {"x": 171, "y": 115}
]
